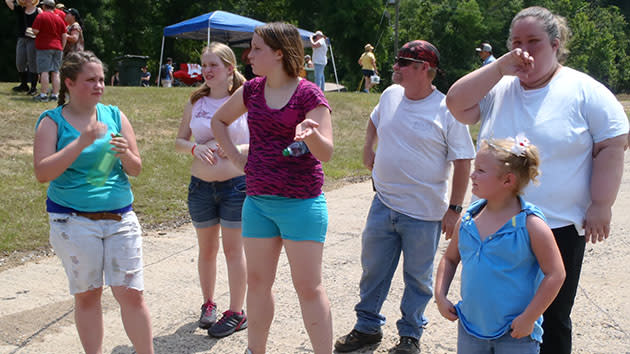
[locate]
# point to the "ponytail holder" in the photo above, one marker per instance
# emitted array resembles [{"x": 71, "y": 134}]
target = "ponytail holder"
[{"x": 520, "y": 144}]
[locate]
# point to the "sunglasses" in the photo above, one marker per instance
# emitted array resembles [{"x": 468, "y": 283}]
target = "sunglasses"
[{"x": 402, "y": 62}]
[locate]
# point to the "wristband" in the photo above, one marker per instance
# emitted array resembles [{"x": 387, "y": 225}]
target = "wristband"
[{"x": 192, "y": 152}]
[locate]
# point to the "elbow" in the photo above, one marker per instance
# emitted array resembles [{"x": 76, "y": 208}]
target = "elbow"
[{"x": 41, "y": 178}]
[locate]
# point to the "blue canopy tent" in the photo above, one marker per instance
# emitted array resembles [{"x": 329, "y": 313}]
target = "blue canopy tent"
[{"x": 221, "y": 26}]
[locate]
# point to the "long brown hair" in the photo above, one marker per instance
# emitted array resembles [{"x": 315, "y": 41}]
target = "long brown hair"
[
  {"x": 229, "y": 59},
  {"x": 71, "y": 67},
  {"x": 286, "y": 38}
]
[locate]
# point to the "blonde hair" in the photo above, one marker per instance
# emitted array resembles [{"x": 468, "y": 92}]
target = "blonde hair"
[
  {"x": 286, "y": 38},
  {"x": 71, "y": 67},
  {"x": 523, "y": 164},
  {"x": 229, "y": 59},
  {"x": 554, "y": 25}
]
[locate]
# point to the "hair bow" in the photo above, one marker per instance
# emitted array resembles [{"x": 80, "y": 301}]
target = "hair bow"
[{"x": 520, "y": 144}]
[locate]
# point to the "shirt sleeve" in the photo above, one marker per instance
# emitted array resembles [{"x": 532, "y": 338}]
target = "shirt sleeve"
[
  {"x": 311, "y": 97},
  {"x": 604, "y": 114},
  {"x": 458, "y": 140}
]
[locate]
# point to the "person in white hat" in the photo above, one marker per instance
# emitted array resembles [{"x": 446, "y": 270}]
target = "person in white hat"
[
  {"x": 485, "y": 52},
  {"x": 318, "y": 42}
]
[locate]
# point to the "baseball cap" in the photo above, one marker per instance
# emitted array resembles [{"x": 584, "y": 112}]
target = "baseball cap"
[
  {"x": 49, "y": 3},
  {"x": 421, "y": 50},
  {"x": 74, "y": 12},
  {"x": 484, "y": 47},
  {"x": 319, "y": 33}
]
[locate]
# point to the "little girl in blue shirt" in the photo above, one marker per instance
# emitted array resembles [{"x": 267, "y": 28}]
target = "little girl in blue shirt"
[{"x": 511, "y": 267}]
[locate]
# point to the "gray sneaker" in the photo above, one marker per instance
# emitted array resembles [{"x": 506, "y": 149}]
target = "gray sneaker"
[
  {"x": 208, "y": 315},
  {"x": 40, "y": 98}
]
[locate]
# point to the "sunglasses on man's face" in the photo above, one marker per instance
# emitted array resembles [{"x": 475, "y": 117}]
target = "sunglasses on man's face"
[{"x": 402, "y": 62}]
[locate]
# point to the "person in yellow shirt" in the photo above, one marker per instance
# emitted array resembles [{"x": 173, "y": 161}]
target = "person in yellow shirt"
[{"x": 368, "y": 66}]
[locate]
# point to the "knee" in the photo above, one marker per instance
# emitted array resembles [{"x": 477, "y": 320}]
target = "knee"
[
  {"x": 88, "y": 298},
  {"x": 308, "y": 291},
  {"x": 234, "y": 254},
  {"x": 127, "y": 297},
  {"x": 259, "y": 282}
]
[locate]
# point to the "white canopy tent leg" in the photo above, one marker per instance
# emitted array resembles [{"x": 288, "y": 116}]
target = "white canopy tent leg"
[
  {"x": 334, "y": 66},
  {"x": 160, "y": 69}
]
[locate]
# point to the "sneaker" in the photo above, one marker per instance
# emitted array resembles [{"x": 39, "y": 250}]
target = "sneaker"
[
  {"x": 229, "y": 323},
  {"x": 20, "y": 88},
  {"x": 357, "y": 340},
  {"x": 407, "y": 345},
  {"x": 208, "y": 315},
  {"x": 40, "y": 98},
  {"x": 53, "y": 98},
  {"x": 32, "y": 92}
]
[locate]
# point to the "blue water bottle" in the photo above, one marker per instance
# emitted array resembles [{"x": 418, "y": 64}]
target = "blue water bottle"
[
  {"x": 98, "y": 174},
  {"x": 295, "y": 149}
]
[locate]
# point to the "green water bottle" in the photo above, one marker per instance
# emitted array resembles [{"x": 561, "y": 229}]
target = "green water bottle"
[{"x": 104, "y": 164}]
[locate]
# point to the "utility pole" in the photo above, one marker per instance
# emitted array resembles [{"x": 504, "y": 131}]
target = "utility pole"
[{"x": 396, "y": 28}]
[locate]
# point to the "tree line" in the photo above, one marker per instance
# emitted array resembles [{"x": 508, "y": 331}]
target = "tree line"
[{"x": 599, "y": 46}]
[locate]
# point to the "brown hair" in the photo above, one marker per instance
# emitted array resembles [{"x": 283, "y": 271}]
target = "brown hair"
[
  {"x": 523, "y": 165},
  {"x": 554, "y": 25},
  {"x": 71, "y": 67},
  {"x": 286, "y": 38},
  {"x": 229, "y": 59}
]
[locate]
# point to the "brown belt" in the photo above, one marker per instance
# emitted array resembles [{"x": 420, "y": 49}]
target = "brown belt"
[{"x": 101, "y": 216}]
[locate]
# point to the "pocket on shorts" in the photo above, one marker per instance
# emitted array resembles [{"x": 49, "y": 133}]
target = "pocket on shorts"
[
  {"x": 239, "y": 184},
  {"x": 193, "y": 185}
]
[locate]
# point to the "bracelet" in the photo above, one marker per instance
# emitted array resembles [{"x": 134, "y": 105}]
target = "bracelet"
[{"x": 192, "y": 152}]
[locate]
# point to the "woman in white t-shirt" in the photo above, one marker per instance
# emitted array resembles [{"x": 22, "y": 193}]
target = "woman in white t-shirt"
[
  {"x": 217, "y": 188},
  {"x": 580, "y": 129}
]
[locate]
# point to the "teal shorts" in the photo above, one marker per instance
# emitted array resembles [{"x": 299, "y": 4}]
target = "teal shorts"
[{"x": 268, "y": 216}]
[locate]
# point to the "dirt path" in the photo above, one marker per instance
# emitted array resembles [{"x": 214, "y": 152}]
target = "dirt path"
[{"x": 36, "y": 311}]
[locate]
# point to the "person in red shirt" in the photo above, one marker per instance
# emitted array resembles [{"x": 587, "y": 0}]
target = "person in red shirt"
[
  {"x": 49, "y": 43},
  {"x": 60, "y": 10}
]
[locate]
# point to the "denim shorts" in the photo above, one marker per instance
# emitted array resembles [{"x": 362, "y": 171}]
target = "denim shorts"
[
  {"x": 268, "y": 216},
  {"x": 88, "y": 248},
  {"x": 506, "y": 344},
  {"x": 210, "y": 203}
]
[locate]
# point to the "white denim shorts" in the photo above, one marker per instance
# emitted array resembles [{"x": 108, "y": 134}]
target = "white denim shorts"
[{"x": 88, "y": 248}]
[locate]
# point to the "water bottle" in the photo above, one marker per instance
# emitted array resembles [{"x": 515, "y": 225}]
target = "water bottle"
[
  {"x": 98, "y": 174},
  {"x": 295, "y": 149}
]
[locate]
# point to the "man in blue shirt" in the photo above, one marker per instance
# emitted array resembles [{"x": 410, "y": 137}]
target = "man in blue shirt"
[{"x": 485, "y": 52}]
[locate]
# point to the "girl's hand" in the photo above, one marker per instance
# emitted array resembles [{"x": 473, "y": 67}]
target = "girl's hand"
[
  {"x": 447, "y": 310},
  {"x": 205, "y": 154},
  {"x": 305, "y": 129},
  {"x": 516, "y": 62},
  {"x": 92, "y": 132},
  {"x": 121, "y": 145},
  {"x": 219, "y": 151},
  {"x": 521, "y": 327}
]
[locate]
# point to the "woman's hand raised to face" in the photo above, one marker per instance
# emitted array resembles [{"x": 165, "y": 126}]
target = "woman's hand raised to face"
[{"x": 516, "y": 62}]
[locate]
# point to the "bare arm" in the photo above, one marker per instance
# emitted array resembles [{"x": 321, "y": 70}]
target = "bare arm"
[
  {"x": 127, "y": 148},
  {"x": 50, "y": 163},
  {"x": 548, "y": 256},
  {"x": 605, "y": 182},
  {"x": 73, "y": 36},
  {"x": 10, "y": 4},
  {"x": 461, "y": 173},
  {"x": 233, "y": 108},
  {"x": 314, "y": 44},
  {"x": 444, "y": 277},
  {"x": 464, "y": 96},
  {"x": 371, "y": 138},
  {"x": 316, "y": 132}
]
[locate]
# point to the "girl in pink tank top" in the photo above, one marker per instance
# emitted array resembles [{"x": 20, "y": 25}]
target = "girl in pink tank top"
[{"x": 285, "y": 207}]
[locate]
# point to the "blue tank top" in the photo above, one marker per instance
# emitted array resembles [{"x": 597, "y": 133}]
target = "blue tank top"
[
  {"x": 500, "y": 274},
  {"x": 71, "y": 189}
]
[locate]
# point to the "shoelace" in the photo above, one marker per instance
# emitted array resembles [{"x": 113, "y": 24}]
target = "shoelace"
[
  {"x": 226, "y": 316},
  {"x": 209, "y": 307}
]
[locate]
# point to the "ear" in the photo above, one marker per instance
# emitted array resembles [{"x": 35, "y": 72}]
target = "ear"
[
  {"x": 69, "y": 83},
  {"x": 555, "y": 44},
  {"x": 510, "y": 180},
  {"x": 278, "y": 54}
]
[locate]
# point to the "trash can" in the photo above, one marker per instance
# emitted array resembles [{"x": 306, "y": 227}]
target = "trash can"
[
  {"x": 129, "y": 69},
  {"x": 310, "y": 74}
]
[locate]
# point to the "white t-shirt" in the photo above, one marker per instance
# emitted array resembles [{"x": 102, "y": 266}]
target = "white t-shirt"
[
  {"x": 319, "y": 53},
  {"x": 563, "y": 119},
  {"x": 417, "y": 140}
]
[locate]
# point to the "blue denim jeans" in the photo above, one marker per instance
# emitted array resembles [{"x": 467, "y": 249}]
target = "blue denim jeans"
[
  {"x": 386, "y": 234},
  {"x": 468, "y": 344},
  {"x": 319, "y": 75}
]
